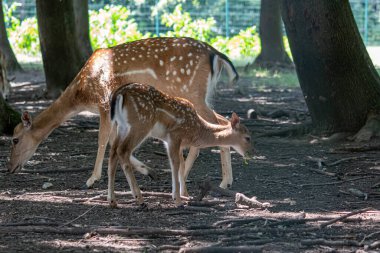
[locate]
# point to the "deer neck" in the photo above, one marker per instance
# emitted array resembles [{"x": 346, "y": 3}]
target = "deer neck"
[
  {"x": 210, "y": 135},
  {"x": 59, "y": 111}
]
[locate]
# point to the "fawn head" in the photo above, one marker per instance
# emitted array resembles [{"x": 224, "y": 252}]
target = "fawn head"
[
  {"x": 243, "y": 144},
  {"x": 24, "y": 144}
]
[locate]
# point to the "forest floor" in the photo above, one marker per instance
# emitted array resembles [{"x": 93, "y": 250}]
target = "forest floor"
[{"x": 308, "y": 182}]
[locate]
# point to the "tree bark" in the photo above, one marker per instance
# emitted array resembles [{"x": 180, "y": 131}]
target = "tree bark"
[
  {"x": 273, "y": 54},
  {"x": 9, "y": 118},
  {"x": 5, "y": 47},
  {"x": 83, "y": 28},
  {"x": 339, "y": 82},
  {"x": 61, "y": 55}
]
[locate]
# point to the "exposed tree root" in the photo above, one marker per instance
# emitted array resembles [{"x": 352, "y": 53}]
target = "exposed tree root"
[
  {"x": 345, "y": 216},
  {"x": 370, "y": 129}
]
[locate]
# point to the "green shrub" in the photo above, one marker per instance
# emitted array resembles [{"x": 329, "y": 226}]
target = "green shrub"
[
  {"x": 110, "y": 26},
  {"x": 183, "y": 25},
  {"x": 24, "y": 37},
  {"x": 245, "y": 44}
]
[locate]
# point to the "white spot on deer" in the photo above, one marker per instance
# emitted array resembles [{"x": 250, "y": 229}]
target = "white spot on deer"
[
  {"x": 156, "y": 56},
  {"x": 182, "y": 71},
  {"x": 148, "y": 71},
  {"x": 180, "y": 58},
  {"x": 161, "y": 63},
  {"x": 178, "y": 79},
  {"x": 140, "y": 56},
  {"x": 191, "y": 62},
  {"x": 189, "y": 54},
  {"x": 174, "y": 73},
  {"x": 173, "y": 58},
  {"x": 188, "y": 71},
  {"x": 133, "y": 58}
]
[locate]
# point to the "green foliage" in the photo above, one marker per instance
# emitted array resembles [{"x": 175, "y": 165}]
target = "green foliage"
[
  {"x": 110, "y": 26},
  {"x": 245, "y": 44},
  {"x": 113, "y": 25},
  {"x": 24, "y": 37},
  {"x": 10, "y": 21},
  {"x": 183, "y": 25}
]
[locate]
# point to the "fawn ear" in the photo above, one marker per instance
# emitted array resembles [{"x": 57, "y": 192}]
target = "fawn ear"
[
  {"x": 235, "y": 120},
  {"x": 26, "y": 119}
]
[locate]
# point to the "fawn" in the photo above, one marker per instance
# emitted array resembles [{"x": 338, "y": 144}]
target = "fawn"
[{"x": 139, "y": 111}]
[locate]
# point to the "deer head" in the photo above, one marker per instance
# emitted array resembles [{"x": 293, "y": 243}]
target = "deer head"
[
  {"x": 22, "y": 137},
  {"x": 242, "y": 136}
]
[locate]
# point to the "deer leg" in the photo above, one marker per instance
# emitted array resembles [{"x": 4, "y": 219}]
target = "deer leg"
[
  {"x": 174, "y": 158},
  {"x": 225, "y": 157},
  {"x": 182, "y": 176},
  {"x": 128, "y": 171},
  {"x": 190, "y": 159},
  {"x": 139, "y": 166},
  {"x": 104, "y": 132},
  {"x": 128, "y": 145},
  {"x": 142, "y": 168},
  {"x": 112, "y": 166}
]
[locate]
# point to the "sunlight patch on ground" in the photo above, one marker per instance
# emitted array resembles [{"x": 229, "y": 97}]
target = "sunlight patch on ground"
[
  {"x": 369, "y": 216},
  {"x": 103, "y": 243}
]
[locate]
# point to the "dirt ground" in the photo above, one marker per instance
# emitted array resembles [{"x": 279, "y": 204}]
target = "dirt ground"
[{"x": 307, "y": 181}]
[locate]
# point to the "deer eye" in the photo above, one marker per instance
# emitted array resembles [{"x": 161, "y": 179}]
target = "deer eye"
[
  {"x": 248, "y": 139},
  {"x": 15, "y": 141}
]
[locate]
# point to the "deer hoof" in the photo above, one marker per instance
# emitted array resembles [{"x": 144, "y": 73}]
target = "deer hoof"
[
  {"x": 143, "y": 206},
  {"x": 113, "y": 204}
]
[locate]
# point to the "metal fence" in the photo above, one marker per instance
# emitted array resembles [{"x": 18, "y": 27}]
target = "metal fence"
[{"x": 231, "y": 16}]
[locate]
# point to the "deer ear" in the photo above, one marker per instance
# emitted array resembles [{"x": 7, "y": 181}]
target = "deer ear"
[
  {"x": 26, "y": 119},
  {"x": 235, "y": 120}
]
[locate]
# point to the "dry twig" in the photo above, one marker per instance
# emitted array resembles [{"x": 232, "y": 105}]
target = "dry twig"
[
  {"x": 83, "y": 214},
  {"x": 325, "y": 224}
]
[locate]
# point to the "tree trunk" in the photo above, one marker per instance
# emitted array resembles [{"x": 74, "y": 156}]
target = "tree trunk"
[
  {"x": 339, "y": 82},
  {"x": 61, "y": 55},
  {"x": 83, "y": 28},
  {"x": 273, "y": 52},
  {"x": 5, "y": 47},
  {"x": 9, "y": 118}
]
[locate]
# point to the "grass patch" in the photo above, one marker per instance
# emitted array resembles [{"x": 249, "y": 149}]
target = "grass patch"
[
  {"x": 266, "y": 77},
  {"x": 28, "y": 62}
]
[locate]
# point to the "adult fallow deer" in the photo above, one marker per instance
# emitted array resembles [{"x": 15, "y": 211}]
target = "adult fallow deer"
[{"x": 181, "y": 67}]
